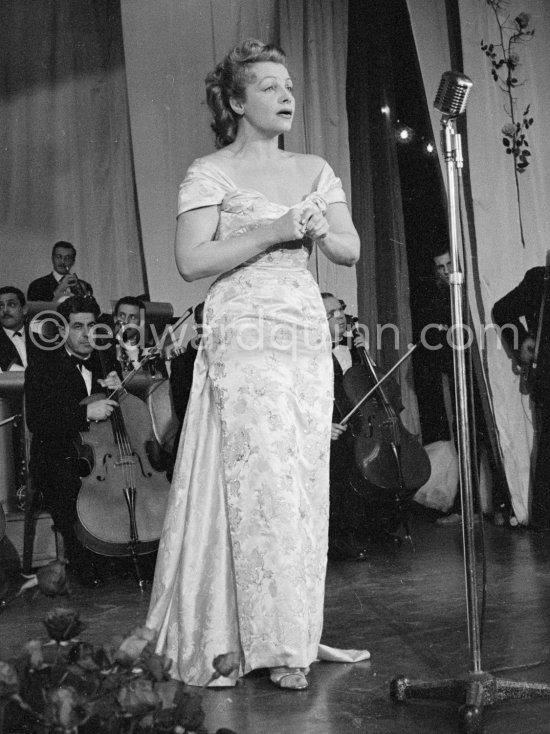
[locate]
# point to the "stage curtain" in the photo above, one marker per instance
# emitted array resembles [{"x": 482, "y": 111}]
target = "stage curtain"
[
  {"x": 495, "y": 256},
  {"x": 382, "y": 272},
  {"x": 65, "y": 158},
  {"x": 314, "y": 35},
  {"x": 170, "y": 46}
]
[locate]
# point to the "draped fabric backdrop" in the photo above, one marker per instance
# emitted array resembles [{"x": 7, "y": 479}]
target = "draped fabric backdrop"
[
  {"x": 382, "y": 271},
  {"x": 170, "y": 46},
  {"x": 65, "y": 158},
  {"x": 495, "y": 257},
  {"x": 314, "y": 34}
]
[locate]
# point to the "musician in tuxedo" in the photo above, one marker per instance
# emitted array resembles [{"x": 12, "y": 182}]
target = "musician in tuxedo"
[
  {"x": 56, "y": 413},
  {"x": 16, "y": 345},
  {"x": 525, "y": 301},
  {"x": 131, "y": 342},
  {"x": 357, "y": 512},
  {"x": 60, "y": 283}
]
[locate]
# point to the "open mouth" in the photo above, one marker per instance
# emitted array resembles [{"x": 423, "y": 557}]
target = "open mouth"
[{"x": 285, "y": 113}]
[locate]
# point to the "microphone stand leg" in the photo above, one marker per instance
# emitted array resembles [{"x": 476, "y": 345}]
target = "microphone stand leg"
[{"x": 474, "y": 693}]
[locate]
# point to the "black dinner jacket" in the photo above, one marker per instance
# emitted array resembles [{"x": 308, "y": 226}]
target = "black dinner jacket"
[
  {"x": 8, "y": 352},
  {"x": 42, "y": 289},
  {"x": 54, "y": 389},
  {"x": 525, "y": 300}
]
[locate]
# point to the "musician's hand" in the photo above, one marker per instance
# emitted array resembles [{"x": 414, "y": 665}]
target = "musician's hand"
[
  {"x": 336, "y": 430},
  {"x": 111, "y": 382},
  {"x": 64, "y": 286},
  {"x": 527, "y": 350},
  {"x": 100, "y": 410},
  {"x": 359, "y": 341}
]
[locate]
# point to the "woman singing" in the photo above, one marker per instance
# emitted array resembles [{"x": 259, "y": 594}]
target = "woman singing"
[{"x": 242, "y": 558}]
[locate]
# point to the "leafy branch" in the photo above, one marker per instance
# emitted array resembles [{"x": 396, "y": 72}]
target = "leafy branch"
[{"x": 505, "y": 60}]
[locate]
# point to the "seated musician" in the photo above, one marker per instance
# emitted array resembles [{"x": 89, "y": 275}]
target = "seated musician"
[
  {"x": 60, "y": 283},
  {"x": 353, "y": 520},
  {"x": 55, "y": 390},
  {"x": 130, "y": 338},
  {"x": 16, "y": 345},
  {"x": 526, "y": 301}
]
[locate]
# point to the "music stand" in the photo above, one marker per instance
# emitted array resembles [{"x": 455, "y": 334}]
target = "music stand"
[{"x": 478, "y": 689}]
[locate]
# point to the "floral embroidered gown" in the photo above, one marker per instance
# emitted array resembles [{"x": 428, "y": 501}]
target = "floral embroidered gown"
[{"x": 242, "y": 557}]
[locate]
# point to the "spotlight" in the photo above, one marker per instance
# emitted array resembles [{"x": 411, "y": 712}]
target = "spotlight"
[
  {"x": 404, "y": 133},
  {"x": 385, "y": 110}
]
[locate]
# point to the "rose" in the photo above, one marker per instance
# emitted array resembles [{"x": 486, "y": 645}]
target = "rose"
[
  {"x": 132, "y": 647},
  {"x": 65, "y": 708},
  {"x": 138, "y": 697},
  {"x": 226, "y": 664},
  {"x": 36, "y": 657},
  {"x": 509, "y": 129},
  {"x": 513, "y": 60},
  {"x": 9, "y": 681},
  {"x": 158, "y": 666},
  {"x": 63, "y": 624},
  {"x": 52, "y": 579},
  {"x": 523, "y": 20}
]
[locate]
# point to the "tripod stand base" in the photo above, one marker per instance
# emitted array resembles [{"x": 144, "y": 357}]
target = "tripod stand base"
[{"x": 475, "y": 692}]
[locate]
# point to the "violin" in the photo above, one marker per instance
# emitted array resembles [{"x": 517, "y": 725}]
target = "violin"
[
  {"x": 122, "y": 501},
  {"x": 386, "y": 453}
]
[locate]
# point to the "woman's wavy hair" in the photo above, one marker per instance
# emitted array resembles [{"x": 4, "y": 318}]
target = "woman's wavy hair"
[{"x": 229, "y": 79}]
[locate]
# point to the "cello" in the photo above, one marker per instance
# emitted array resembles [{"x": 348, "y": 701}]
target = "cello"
[
  {"x": 122, "y": 500},
  {"x": 389, "y": 458}
]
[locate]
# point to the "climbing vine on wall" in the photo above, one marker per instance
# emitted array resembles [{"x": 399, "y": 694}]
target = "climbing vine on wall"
[{"x": 505, "y": 60}]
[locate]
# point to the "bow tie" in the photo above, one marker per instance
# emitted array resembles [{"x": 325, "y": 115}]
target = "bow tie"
[{"x": 80, "y": 362}]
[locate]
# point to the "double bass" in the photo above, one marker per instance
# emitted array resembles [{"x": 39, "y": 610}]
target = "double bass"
[
  {"x": 122, "y": 500},
  {"x": 390, "y": 459}
]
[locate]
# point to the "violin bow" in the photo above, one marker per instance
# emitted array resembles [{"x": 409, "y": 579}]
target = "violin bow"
[
  {"x": 156, "y": 350},
  {"x": 10, "y": 419},
  {"x": 411, "y": 349}
]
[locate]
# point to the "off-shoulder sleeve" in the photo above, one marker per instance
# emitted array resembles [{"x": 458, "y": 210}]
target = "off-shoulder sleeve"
[
  {"x": 330, "y": 186},
  {"x": 200, "y": 187}
]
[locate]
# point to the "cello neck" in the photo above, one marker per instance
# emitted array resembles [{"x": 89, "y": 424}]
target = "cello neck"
[{"x": 368, "y": 363}]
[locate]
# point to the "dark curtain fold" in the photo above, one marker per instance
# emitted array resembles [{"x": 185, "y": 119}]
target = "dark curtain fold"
[
  {"x": 65, "y": 154},
  {"x": 382, "y": 273}
]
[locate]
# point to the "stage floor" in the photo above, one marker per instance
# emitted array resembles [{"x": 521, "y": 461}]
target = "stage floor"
[{"x": 406, "y": 606}]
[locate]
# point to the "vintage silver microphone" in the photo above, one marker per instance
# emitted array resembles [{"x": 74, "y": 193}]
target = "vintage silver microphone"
[{"x": 453, "y": 93}]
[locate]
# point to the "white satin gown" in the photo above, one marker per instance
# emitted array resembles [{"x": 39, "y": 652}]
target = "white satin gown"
[{"x": 242, "y": 557}]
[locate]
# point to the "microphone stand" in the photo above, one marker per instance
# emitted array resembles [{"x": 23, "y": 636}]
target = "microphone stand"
[{"x": 479, "y": 688}]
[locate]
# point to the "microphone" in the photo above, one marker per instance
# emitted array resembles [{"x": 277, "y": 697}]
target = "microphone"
[{"x": 452, "y": 94}]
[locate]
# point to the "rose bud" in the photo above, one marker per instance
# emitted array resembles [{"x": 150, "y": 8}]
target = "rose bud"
[{"x": 63, "y": 624}]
